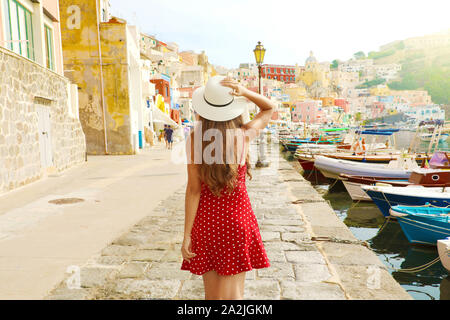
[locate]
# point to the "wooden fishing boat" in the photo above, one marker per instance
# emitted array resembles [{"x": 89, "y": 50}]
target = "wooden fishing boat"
[
  {"x": 423, "y": 177},
  {"x": 423, "y": 224},
  {"x": 293, "y": 144},
  {"x": 386, "y": 196},
  {"x": 444, "y": 252}
]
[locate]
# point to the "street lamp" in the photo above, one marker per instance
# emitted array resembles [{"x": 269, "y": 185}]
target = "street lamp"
[{"x": 260, "y": 52}]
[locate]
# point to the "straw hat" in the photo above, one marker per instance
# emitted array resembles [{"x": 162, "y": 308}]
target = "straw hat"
[{"x": 215, "y": 102}]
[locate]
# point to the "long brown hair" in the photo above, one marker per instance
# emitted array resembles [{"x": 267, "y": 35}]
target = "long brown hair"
[{"x": 221, "y": 175}]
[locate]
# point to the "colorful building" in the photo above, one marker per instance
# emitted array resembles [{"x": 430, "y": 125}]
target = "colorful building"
[
  {"x": 278, "y": 72},
  {"x": 327, "y": 101},
  {"x": 295, "y": 93},
  {"x": 342, "y": 103},
  {"x": 315, "y": 77},
  {"x": 105, "y": 66},
  {"x": 162, "y": 87},
  {"x": 425, "y": 113},
  {"x": 308, "y": 112},
  {"x": 375, "y": 109}
]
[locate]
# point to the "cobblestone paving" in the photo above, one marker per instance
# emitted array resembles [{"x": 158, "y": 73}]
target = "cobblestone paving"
[{"x": 144, "y": 263}]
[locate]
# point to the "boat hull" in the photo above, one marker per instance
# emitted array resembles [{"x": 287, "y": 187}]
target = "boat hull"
[
  {"x": 385, "y": 200},
  {"x": 307, "y": 165},
  {"x": 444, "y": 252},
  {"x": 356, "y": 192},
  {"x": 423, "y": 230},
  {"x": 332, "y": 168}
]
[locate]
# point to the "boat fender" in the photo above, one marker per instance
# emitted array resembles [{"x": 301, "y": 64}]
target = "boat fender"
[
  {"x": 383, "y": 184},
  {"x": 396, "y": 213}
]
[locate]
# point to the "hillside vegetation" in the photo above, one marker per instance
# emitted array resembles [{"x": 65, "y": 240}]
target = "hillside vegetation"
[{"x": 423, "y": 68}]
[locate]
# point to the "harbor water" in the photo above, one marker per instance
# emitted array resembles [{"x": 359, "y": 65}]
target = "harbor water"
[{"x": 386, "y": 239}]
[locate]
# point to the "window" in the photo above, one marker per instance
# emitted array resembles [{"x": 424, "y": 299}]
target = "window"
[
  {"x": 50, "y": 57},
  {"x": 19, "y": 30}
]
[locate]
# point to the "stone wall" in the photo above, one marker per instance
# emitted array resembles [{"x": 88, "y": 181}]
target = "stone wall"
[{"x": 24, "y": 87}]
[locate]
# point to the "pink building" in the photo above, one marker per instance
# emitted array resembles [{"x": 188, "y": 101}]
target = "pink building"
[
  {"x": 375, "y": 109},
  {"x": 344, "y": 104},
  {"x": 308, "y": 112}
]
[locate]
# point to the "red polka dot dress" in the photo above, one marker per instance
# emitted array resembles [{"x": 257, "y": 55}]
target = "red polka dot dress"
[{"x": 225, "y": 235}]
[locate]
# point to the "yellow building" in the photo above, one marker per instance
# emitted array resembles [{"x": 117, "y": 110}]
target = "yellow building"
[
  {"x": 327, "y": 101},
  {"x": 97, "y": 58},
  {"x": 315, "y": 77},
  {"x": 380, "y": 91},
  {"x": 296, "y": 93}
]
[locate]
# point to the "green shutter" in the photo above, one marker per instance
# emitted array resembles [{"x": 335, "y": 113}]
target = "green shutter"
[
  {"x": 24, "y": 31},
  {"x": 49, "y": 48}
]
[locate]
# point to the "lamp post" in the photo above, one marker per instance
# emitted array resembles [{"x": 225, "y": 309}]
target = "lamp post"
[{"x": 260, "y": 52}]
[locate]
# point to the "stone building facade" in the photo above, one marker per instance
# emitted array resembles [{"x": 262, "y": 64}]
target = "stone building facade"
[
  {"x": 100, "y": 57},
  {"x": 39, "y": 128}
]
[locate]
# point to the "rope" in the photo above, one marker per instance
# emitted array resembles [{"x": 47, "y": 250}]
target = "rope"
[
  {"x": 384, "y": 224},
  {"x": 336, "y": 240},
  {"x": 332, "y": 185},
  {"x": 310, "y": 174},
  {"x": 419, "y": 268},
  {"x": 354, "y": 204}
]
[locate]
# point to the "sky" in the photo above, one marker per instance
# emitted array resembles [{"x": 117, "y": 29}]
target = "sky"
[{"x": 228, "y": 31}]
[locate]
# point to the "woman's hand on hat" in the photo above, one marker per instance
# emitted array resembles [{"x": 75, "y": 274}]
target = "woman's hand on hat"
[{"x": 238, "y": 90}]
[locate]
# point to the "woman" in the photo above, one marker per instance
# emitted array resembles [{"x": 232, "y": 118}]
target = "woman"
[{"x": 221, "y": 237}]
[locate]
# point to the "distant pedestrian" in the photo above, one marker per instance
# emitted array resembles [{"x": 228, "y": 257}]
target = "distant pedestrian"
[
  {"x": 221, "y": 235},
  {"x": 169, "y": 135},
  {"x": 165, "y": 136}
]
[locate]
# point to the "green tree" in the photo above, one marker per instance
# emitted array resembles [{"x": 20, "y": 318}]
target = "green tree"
[
  {"x": 371, "y": 83},
  {"x": 359, "y": 55},
  {"x": 334, "y": 64}
]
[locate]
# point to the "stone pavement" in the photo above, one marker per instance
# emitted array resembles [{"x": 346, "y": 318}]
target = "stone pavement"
[{"x": 144, "y": 263}]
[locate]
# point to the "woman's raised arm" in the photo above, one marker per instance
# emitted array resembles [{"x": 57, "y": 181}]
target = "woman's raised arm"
[{"x": 265, "y": 105}]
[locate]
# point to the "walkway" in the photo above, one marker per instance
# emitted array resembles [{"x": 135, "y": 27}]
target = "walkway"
[
  {"x": 144, "y": 263},
  {"x": 39, "y": 239}
]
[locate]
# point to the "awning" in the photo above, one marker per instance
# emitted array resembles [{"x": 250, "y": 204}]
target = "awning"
[{"x": 164, "y": 117}]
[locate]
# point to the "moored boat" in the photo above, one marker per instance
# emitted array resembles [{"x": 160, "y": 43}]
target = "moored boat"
[
  {"x": 423, "y": 177},
  {"x": 427, "y": 137},
  {"x": 332, "y": 168},
  {"x": 423, "y": 224},
  {"x": 386, "y": 196}
]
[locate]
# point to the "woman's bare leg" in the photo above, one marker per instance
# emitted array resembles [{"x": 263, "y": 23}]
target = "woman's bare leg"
[
  {"x": 219, "y": 287},
  {"x": 211, "y": 284}
]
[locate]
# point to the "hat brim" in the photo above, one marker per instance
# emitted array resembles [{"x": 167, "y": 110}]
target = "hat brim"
[{"x": 207, "y": 111}]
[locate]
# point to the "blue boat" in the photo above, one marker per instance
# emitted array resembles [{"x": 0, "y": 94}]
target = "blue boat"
[
  {"x": 386, "y": 197},
  {"x": 423, "y": 224}
]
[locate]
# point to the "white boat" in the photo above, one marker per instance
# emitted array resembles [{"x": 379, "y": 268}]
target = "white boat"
[
  {"x": 444, "y": 252},
  {"x": 428, "y": 136},
  {"x": 332, "y": 168}
]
